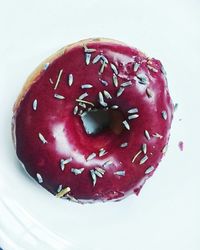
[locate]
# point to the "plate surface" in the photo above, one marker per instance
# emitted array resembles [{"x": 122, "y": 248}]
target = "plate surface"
[{"x": 166, "y": 213}]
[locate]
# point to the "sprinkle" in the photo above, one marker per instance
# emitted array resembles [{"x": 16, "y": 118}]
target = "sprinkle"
[
  {"x": 102, "y": 152},
  {"x": 101, "y": 100},
  {"x": 42, "y": 139},
  {"x": 130, "y": 117},
  {"x": 138, "y": 153},
  {"x": 104, "y": 58},
  {"x": 51, "y": 81},
  {"x": 144, "y": 148},
  {"x": 114, "y": 69},
  {"x": 91, "y": 156},
  {"x": 115, "y": 81},
  {"x": 149, "y": 170},
  {"x": 64, "y": 162},
  {"x": 86, "y": 86},
  {"x": 136, "y": 66},
  {"x": 71, "y": 198},
  {"x": 120, "y": 91},
  {"x": 39, "y": 178},
  {"x": 87, "y": 58},
  {"x": 103, "y": 65},
  {"x": 93, "y": 175},
  {"x": 83, "y": 96},
  {"x": 77, "y": 171},
  {"x": 142, "y": 78},
  {"x": 60, "y": 97},
  {"x": 59, "y": 188},
  {"x": 133, "y": 110},
  {"x": 143, "y": 160},
  {"x": 126, "y": 84},
  {"x": 152, "y": 68},
  {"x": 164, "y": 150},
  {"x": 120, "y": 173},
  {"x": 149, "y": 92},
  {"x": 82, "y": 105},
  {"x": 126, "y": 125},
  {"x": 175, "y": 106},
  {"x": 96, "y": 59},
  {"x": 63, "y": 192},
  {"x": 146, "y": 133},
  {"x": 46, "y": 66},
  {"x": 98, "y": 173},
  {"x": 124, "y": 145},
  {"x": 107, "y": 163},
  {"x": 58, "y": 79},
  {"x": 105, "y": 83},
  {"x": 35, "y": 103},
  {"x": 75, "y": 110},
  {"x": 100, "y": 170},
  {"x": 83, "y": 101},
  {"x": 88, "y": 50},
  {"x": 157, "y": 135},
  {"x": 164, "y": 115},
  {"x": 107, "y": 94},
  {"x": 70, "y": 80},
  {"x": 114, "y": 107}
]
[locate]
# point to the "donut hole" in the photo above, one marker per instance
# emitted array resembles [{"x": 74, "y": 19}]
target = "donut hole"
[{"x": 98, "y": 120}]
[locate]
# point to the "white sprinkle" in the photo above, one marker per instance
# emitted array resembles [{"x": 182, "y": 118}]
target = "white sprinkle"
[
  {"x": 144, "y": 148},
  {"x": 70, "y": 79},
  {"x": 133, "y": 110},
  {"x": 104, "y": 58},
  {"x": 102, "y": 152},
  {"x": 136, "y": 155},
  {"x": 164, "y": 150},
  {"x": 93, "y": 175},
  {"x": 86, "y": 86},
  {"x": 35, "y": 104},
  {"x": 98, "y": 173},
  {"x": 149, "y": 170},
  {"x": 105, "y": 83},
  {"x": 101, "y": 100},
  {"x": 136, "y": 66},
  {"x": 88, "y": 50},
  {"x": 164, "y": 115},
  {"x": 157, "y": 135},
  {"x": 114, "y": 69},
  {"x": 114, "y": 107},
  {"x": 120, "y": 173},
  {"x": 107, "y": 163},
  {"x": 91, "y": 156},
  {"x": 126, "y": 125},
  {"x": 142, "y": 78},
  {"x": 115, "y": 80},
  {"x": 77, "y": 171},
  {"x": 96, "y": 59},
  {"x": 143, "y": 160},
  {"x": 82, "y": 105},
  {"x": 51, "y": 81},
  {"x": 126, "y": 84},
  {"x": 147, "y": 135},
  {"x": 107, "y": 94},
  {"x": 120, "y": 91},
  {"x": 58, "y": 79},
  {"x": 130, "y": 117},
  {"x": 100, "y": 170},
  {"x": 63, "y": 162},
  {"x": 103, "y": 65},
  {"x": 39, "y": 177},
  {"x": 124, "y": 145},
  {"x": 87, "y": 58},
  {"x": 59, "y": 188},
  {"x": 60, "y": 97},
  {"x": 42, "y": 139},
  {"x": 149, "y": 92},
  {"x": 83, "y": 96},
  {"x": 75, "y": 110},
  {"x": 152, "y": 68},
  {"x": 46, "y": 66}
]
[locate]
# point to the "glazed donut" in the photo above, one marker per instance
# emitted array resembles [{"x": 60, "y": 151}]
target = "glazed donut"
[{"x": 93, "y": 121}]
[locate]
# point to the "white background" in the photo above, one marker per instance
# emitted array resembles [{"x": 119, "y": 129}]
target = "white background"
[{"x": 166, "y": 214}]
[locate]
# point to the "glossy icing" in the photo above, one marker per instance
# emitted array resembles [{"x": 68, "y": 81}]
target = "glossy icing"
[{"x": 51, "y": 140}]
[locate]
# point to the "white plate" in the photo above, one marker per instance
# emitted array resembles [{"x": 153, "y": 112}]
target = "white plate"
[{"x": 166, "y": 214}]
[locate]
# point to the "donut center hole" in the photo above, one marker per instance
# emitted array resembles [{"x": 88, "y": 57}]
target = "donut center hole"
[{"x": 98, "y": 121}]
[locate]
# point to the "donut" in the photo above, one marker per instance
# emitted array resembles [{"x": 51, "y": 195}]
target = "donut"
[{"x": 92, "y": 122}]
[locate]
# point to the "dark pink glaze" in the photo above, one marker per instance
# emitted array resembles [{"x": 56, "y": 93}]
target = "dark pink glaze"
[{"x": 66, "y": 136}]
